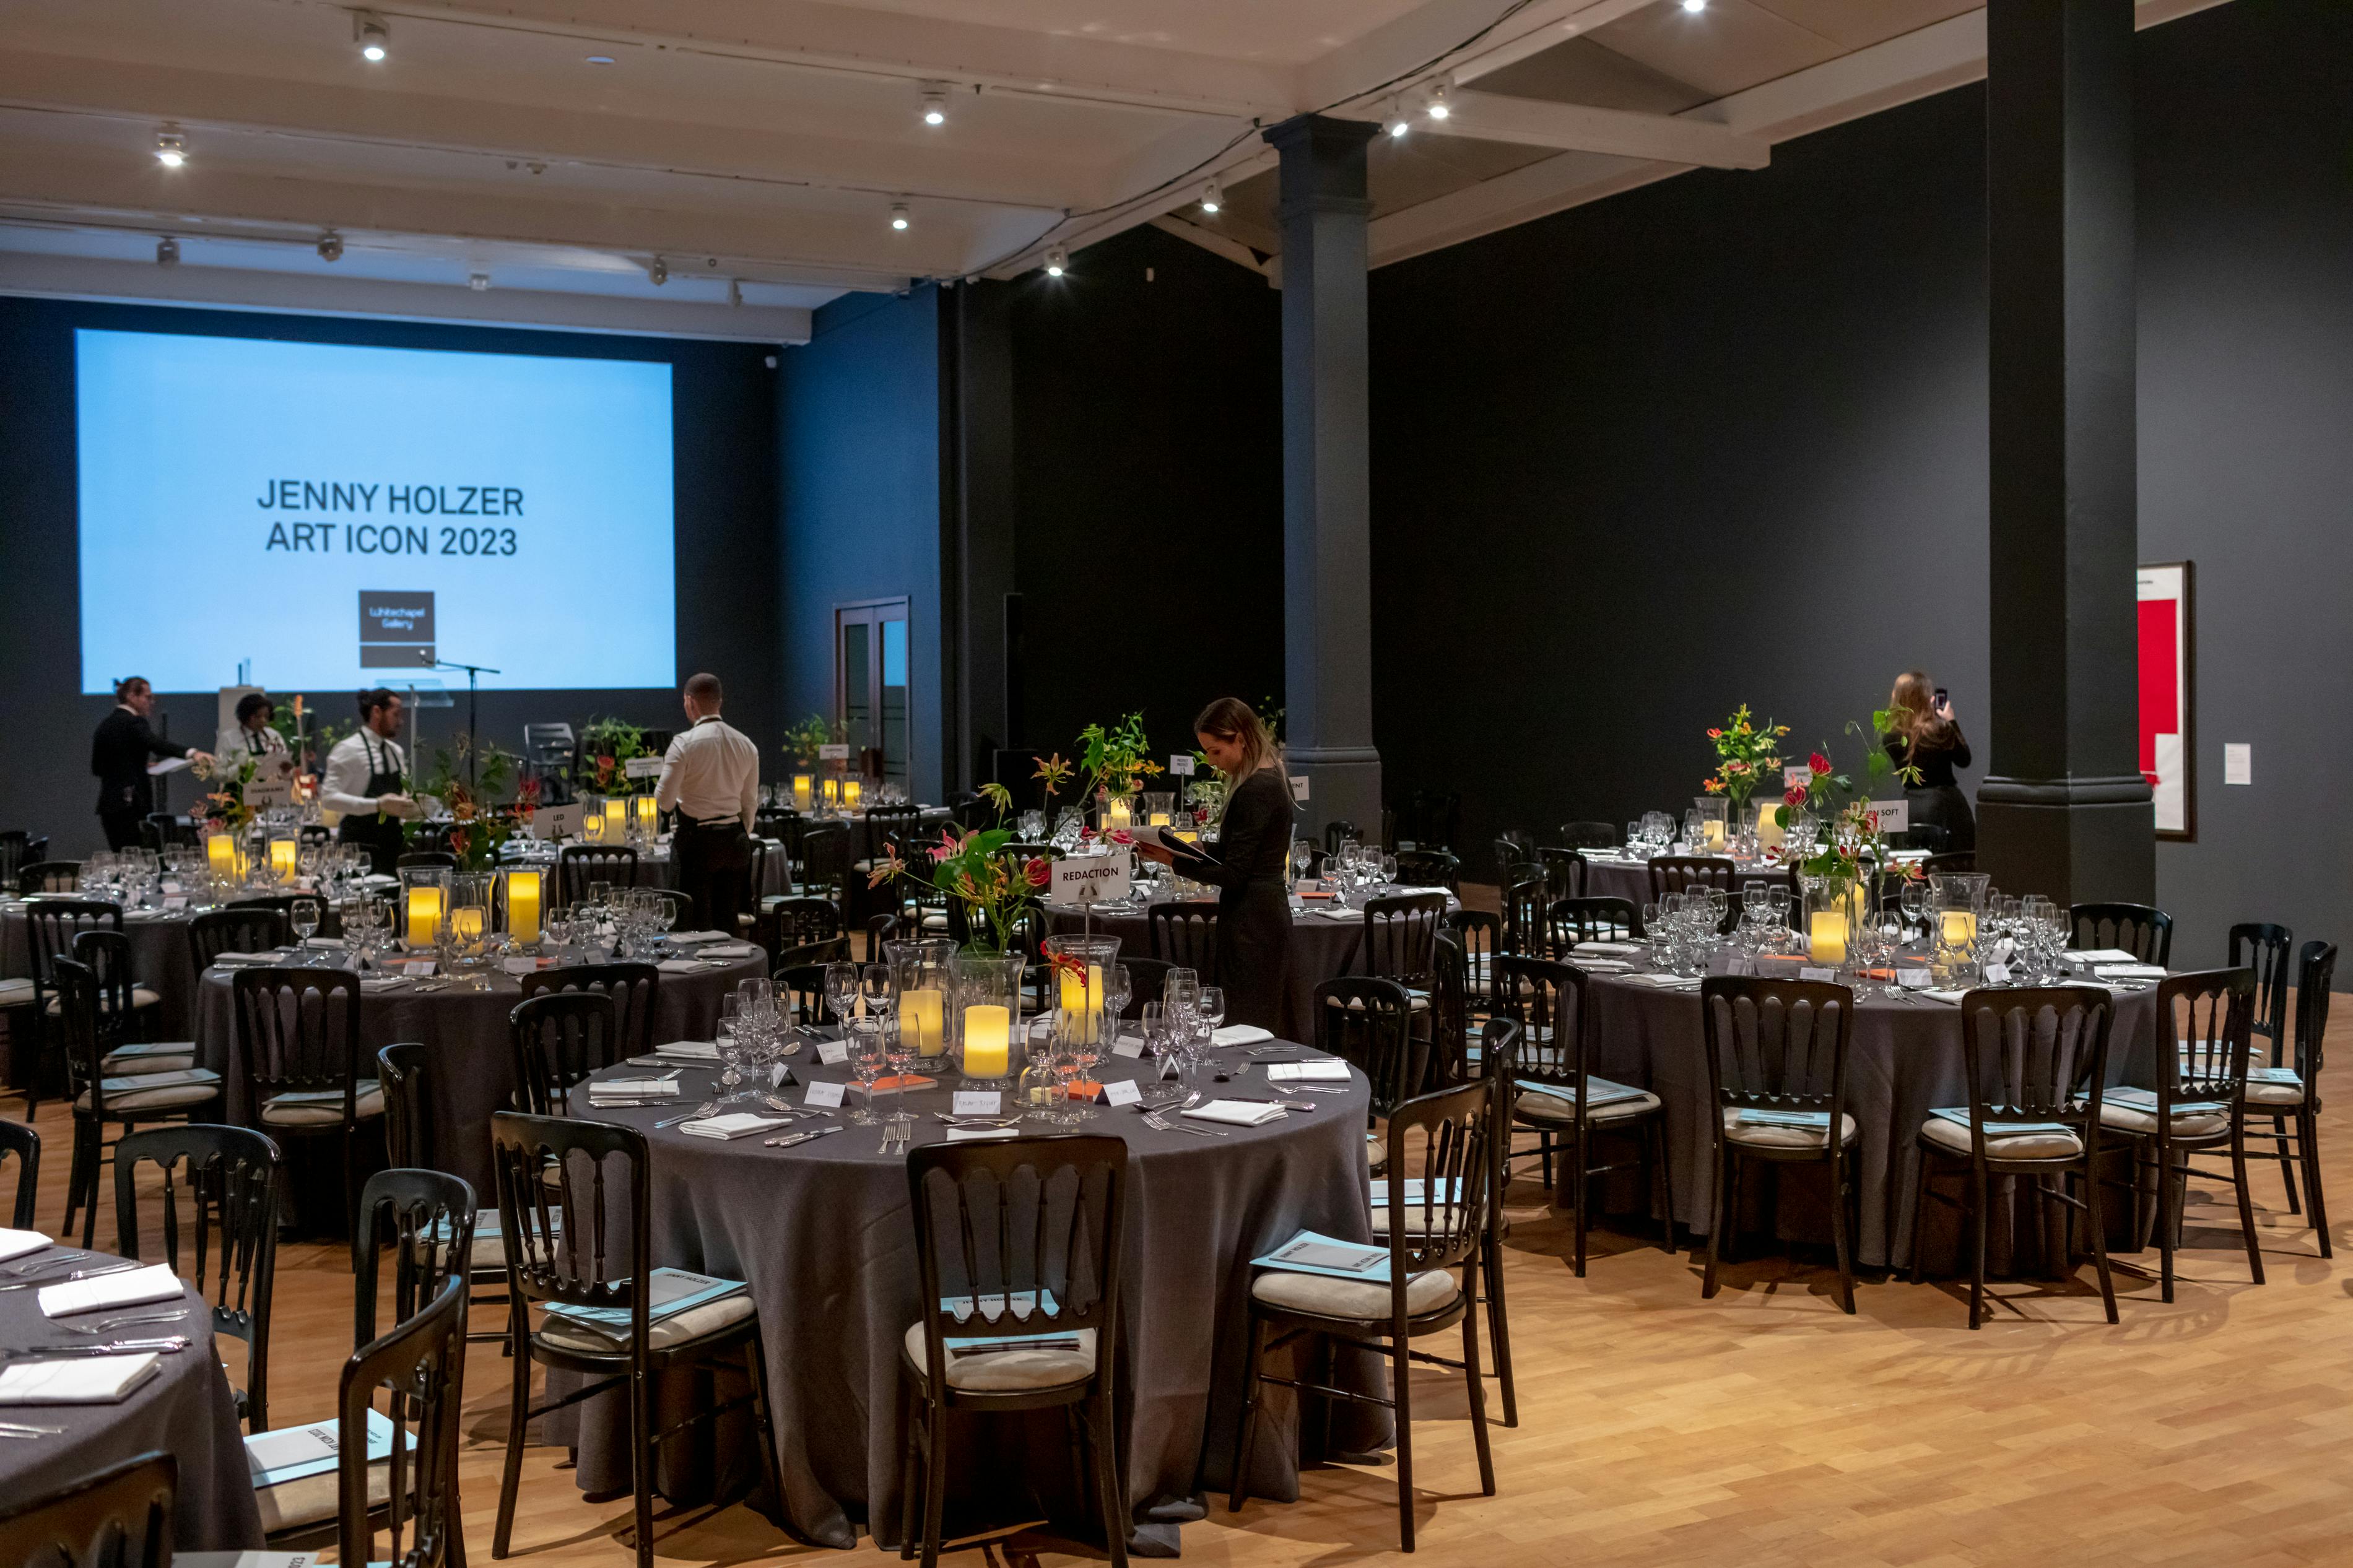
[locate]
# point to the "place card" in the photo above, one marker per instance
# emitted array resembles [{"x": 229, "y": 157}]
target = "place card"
[
  {"x": 1129, "y": 1046},
  {"x": 977, "y": 1102},
  {"x": 779, "y": 1075},
  {"x": 833, "y": 1053},
  {"x": 173, "y": 901},
  {"x": 519, "y": 965},
  {"x": 1915, "y": 979},
  {"x": 822, "y": 1096},
  {"x": 1809, "y": 972},
  {"x": 1123, "y": 1091}
]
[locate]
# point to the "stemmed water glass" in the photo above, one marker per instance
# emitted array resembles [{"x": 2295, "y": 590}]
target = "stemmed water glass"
[
  {"x": 867, "y": 1059},
  {"x": 899, "y": 1048},
  {"x": 1118, "y": 991},
  {"x": 1209, "y": 1010},
  {"x": 841, "y": 985},
  {"x": 1302, "y": 854},
  {"x": 302, "y": 914}
]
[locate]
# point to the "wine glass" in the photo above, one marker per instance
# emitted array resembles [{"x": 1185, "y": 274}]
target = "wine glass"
[
  {"x": 1178, "y": 992},
  {"x": 899, "y": 1048},
  {"x": 1118, "y": 991},
  {"x": 841, "y": 985},
  {"x": 730, "y": 1050},
  {"x": 875, "y": 985},
  {"x": 866, "y": 1059},
  {"x": 1302, "y": 853},
  {"x": 1156, "y": 1029},
  {"x": 1210, "y": 1010},
  {"x": 302, "y": 914}
]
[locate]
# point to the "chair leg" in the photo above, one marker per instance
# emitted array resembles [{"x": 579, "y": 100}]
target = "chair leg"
[
  {"x": 1246, "y": 1423},
  {"x": 77, "y": 1173},
  {"x": 2308, "y": 1148},
  {"x": 1576, "y": 1172},
  {"x": 1401, "y": 1388},
  {"x": 935, "y": 1481},
  {"x": 518, "y": 1404},
  {"x": 1109, "y": 1485},
  {"x": 2168, "y": 1202},
  {"x": 1977, "y": 1207},
  {"x": 2097, "y": 1221},
  {"x": 1919, "y": 1209},
  {"x": 1654, "y": 1137},
  {"x": 2246, "y": 1199},
  {"x": 756, "y": 1368},
  {"x": 641, "y": 1460},
  {"x": 1478, "y": 1387},
  {"x": 1839, "y": 1236},
  {"x": 1717, "y": 1221},
  {"x": 2287, "y": 1168},
  {"x": 911, "y": 1473},
  {"x": 1499, "y": 1334}
]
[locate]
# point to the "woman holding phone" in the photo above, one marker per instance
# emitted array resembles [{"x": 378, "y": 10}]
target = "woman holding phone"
[{"x": 1923, "y": 735}]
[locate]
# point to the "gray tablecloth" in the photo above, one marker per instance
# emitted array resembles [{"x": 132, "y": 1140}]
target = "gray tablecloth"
[
  {"x": 1906, "y": 1060},
  {"x": 187, "y": 1409},
  {"x": 471, "y": 1070},
  {"x": 655, "y": 868},
  {"x": 824, "y": 1235},
  {"x": 160, "y": 960},
  {"x": 1630, "y": 879}
]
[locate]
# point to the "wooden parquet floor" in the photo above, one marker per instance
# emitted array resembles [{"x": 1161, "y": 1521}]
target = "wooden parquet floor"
[{"x": 1760, "y": 1429}]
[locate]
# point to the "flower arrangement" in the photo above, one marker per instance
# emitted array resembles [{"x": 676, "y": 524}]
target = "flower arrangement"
[
  {"x": 224, "y": 808},
  {"x": 478, "y": 830},
  {"x": 1746, "y": 752},
  {"x": 994, "y": 884},
  {"x": 613, "y": 743},
  {"x": 1116, "y": 760},
  {"x": 1834, "y": 801},
  {"x": 803, "y": 739}
]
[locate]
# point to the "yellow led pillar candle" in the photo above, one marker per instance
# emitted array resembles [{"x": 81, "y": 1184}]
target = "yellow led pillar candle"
[
  {"x": 987, "y": 1041},
  {"x": 921, "y": 1017},
  {"x": 522, "y": 905}
]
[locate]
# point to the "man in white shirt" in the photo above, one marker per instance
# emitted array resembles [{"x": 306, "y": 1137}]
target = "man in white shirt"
[
  {"x": 711, "y": 778},
  {"x": 366, "y": 781}
]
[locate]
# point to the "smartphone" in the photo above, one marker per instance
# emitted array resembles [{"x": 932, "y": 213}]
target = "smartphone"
[{"x": 1941, "y": 697}]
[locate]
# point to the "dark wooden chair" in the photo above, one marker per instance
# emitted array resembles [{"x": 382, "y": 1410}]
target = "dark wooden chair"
[
  {"x": 2145, "y": 933},
  {"x": 104, "y": 1097},
  {"x": 2037, "y": 1061},
  {"x": 429, "y": 1216},
  {"x": 1147, "y": 980},
  {"x": 19, "y": 850},
  {"x": 51, "y": 927},
  {"x": 1368, "y": 1024},
  {"x": 576, "y": 1213},
  {"x": 559, "y": 1039},
  {"x": 578, "y": 866},
  {"x": 119, "y": 1518},
  {"x": 1430, "y": 868},
  {"x": 836, "y": 950},
  {"x": 232, "y": 1176},
  {"x": 1563, "y": 872},
  {"x": 2270, "y": 952},
  {"x": 239, "y": 928},
  {"x": 1513, "y": 847},
  {"x": 2199, "y": 1104},
  {"x": 2291, "y": 1091},
  {"x": 1570, "y": 1108},
  {"x": 1693, "y": 873},
  {"x": 633, "y": 986},
  {"x": 21, "y": 1139},
  {"x": 298, "y": 1031},
  {"x": 411, "y": 1143},
  {"x": 1481, "y": 932},
  {"x": 1027, "y": 1237},
  {"x": 125, "y": 1008},
  {"x": 1525, "y": 932},
  {"x": 1776, "y": 1050},
  {"x": 802, "y": 987},
  {"x": 825, "y": 860},
  {"x": 1336, "y": 832},
  {"x": 1595, "y": 918},
  {"x": 1588, "y": 835},
  {"x": 1442, "y": 1142},
  {"x": 796, "y": 921},
  {"x": 1950, "y": 860},
  {"x": 1185, "y": 933},
  {"x": 1499, "y": 1069},
  {"x": 1401, "y": 938},
  {"x": 1451, "y": 1058},
  {"x": 48, "y": 876}
]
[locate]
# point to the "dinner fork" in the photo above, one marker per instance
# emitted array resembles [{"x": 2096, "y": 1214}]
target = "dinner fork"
[
  {"x": 17, "y": 1430},
  {"x": 50, "y": 1262},
  {"x": 1159, "y": 1121},
  {"x": 76, "y": 1274},
  {"x": 109, "y": 1325},
  {"x": 705, "y": 1108}
]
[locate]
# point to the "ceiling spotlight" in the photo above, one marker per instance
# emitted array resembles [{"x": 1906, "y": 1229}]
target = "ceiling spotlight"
[
  {"x": 899, "y": 215},
  {"x": 1058, "y": 260},
  {"x": 1212, "y": 198},
  {"x": 1435, "y": 102},
  {"x": 369, "y": 32},
  {"x": 167, "y": 252},
  {"x": 1396, "y": 120},
  {"x": 658, "y": 272},
  {"x": 171, "y": 148},
  {"x": 935, "y": 106},
  {"x": 330, "y": 247},
  {"x": 478, "y": 281},
  {"x": 1695, "y": 6}
]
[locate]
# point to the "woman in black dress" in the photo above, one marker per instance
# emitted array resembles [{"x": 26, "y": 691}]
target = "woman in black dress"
[
  {"x": 1925, "y": 735},
  {"x": 1252, "y": 867}
]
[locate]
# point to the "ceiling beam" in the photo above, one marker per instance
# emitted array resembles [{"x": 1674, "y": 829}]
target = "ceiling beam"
[
  {"x": 1216, "y": 244},
  {"x": 1447, "y": 36},
  {"x": 283, "y": 293},
  {"x": 1578, "y": 127},
  {"x": 1250, "y": 157}
]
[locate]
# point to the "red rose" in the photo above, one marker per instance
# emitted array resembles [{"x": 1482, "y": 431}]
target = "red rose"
[
  {"x": 1797, "y": 796},
  {"x": 1818, "y": 763},
  {"x": 1038, "y": 872}
]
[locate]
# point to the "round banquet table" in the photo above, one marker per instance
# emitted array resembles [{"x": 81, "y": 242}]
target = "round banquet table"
[
  {"x": 1324, "y": 944},
  {"x": 160, "y": 960},
  {"x": 655, "y": 868},
  {"x": 1904, "y": 1060},
  {"x": 187, "y": 1409},
  {"x": 824, "y": 1235},
  {"x": 471, "y": 1062}
]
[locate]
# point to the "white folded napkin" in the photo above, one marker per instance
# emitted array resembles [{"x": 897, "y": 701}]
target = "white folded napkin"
[
  {"x": 94, "y": 1380},
  {"x": 978, "y": 1135},
  {"x": 1615, "y": 949},
  {"x": 17, "y": 1243},
  {"x": 1238, "y": 1112},
  {"x": 1952, "y": 998},
  {"x": 729, "y": 949},
  {"x": 245, "y": 958},
  {"x": 1601, "y": 965},
  {"x": 677, "y": 938},
  {"x": 1665, "y": 982},
  {"x": 633, "y": 1089},
  {"x": 1325, "y": 1069},
  {"x": 736, "y": 1124},
  {"x": 688, "y": 1050},
  {"x": 2103, "y": 955},
  {"x": 132, "y": 1287},
  {"x": 680, "y": 966},
  {"x": 1241, "y": 1035},
  {"x": 2130, "y": 972},
  {"x": 382, "y": 981}
]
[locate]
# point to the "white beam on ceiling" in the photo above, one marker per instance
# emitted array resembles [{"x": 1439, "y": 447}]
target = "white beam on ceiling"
[
  {"x": 1216, "y": 244},
  {"x": 1578, "y": 127},
  {"x": 1249, "y": 157},
  {"x": 242, "y": 289},
  {"x": 1469, "y": 36}
]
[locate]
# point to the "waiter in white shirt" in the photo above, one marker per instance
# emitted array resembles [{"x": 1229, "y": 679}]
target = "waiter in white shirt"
[
  {"x": 711, "y": 778},
  {"x": 367, "y": 778},
  {"x": 254, "y": 734}
]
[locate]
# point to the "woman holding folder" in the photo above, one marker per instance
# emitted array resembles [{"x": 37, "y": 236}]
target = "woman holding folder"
[{"x": 1251, "y": 865}]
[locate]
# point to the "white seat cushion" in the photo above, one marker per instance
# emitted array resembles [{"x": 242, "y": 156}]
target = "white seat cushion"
[
  {"x": 312, "y": 1499},
  {"x": 1005, "y": 1371},
  {"x": 123, "y": 1093},
  {"x": 1954, "y": 1136},
  {"x": 1771, "y": 1137},
  {"x": 15, "y": 992},
  {"x": 149, "y": 1056},
  {"x": 140, "y": 997},
  {"x": 1327, "y": 1296},
  {"x": 1559, "y": 1110},
  {"x": 1376, "y": 1152},
  {"x": 2132, "y": 1119},
  {"x": 324, "y": 1112},
  {"x": 690, "y": 1324},
  {"x": 2275, "y": 1093},
  {"x": 1420, "y": 1220}
]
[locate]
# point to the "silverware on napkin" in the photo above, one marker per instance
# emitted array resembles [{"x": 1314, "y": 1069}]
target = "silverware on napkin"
[
  {"x": 76, "y": 1274},
  {"x": 788, "y": 1141}
]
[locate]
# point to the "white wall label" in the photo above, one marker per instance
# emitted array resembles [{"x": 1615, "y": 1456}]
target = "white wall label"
[
  {"x": 2238, "y": 762},
  {"x": 1299, "y": 786},
  {"x": 1181, "y": 765}
]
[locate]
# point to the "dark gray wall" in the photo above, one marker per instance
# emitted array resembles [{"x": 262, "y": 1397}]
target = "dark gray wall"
[
  {"x": 724, "y": 461},
  {"x": 858, "y": 423},
  {"x": 1724, "y": 439}
]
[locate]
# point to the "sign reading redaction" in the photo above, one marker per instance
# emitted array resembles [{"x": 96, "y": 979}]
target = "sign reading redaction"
[{"x": 1090, "y": 879}]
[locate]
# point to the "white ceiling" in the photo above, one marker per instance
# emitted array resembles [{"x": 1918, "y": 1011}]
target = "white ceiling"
[{"x": 751, "y": 150}]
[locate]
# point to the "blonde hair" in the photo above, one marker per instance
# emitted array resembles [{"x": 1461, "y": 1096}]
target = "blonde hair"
[
  {"x": 1912, "y": 712},
  {"x": 1231, "y": 719}
]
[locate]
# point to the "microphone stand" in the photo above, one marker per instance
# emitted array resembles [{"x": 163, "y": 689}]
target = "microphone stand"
[{"x": 473, "y": 700}]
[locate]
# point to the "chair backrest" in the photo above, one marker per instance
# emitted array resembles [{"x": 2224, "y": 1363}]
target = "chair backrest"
[
  {"x": 804, "y": 983},
  {"x": 1777, "y": 1044},
  {"x": 1336, "y": 832},
  {"x": 239, "y": 928},
  {"x": 1929, "y": 836},
  {"x": 2316, "y": 970},
  {"x": 21, "y": 1140},
  {"x": 1450, "y": 1013},
  {"x": 634, "y": 987},
  {"x": 1546, "y": 999},
  {"x": 1481, "y": 934},
  {"x": 1563, "y": 872},
  {"x": 2209, "y": 1015},
  {"x": 82, "y": 1033},
  {"x": 415, "y": 858},
  {"x": 106, "y": 953},
  {"x": 430, "y": 1216},
  {"x": 298, "y": 1031},
  {"x": 1021, "y": 1237},
  {"x": 1524, "y": 919},
  {"x": 17, "y": 851},
  {"x": 2140, "y": 930},
  {"x": 53, "y": 923},
  {"x": 119, "y": 1518},
  {"x": 2035, "y": 1054},
  {"x": 1185, "y": 933},
  {"x": 1401, "y": 937},
  {"x": 825, "y": 857},
  {"x": 421, "y": 1364},
  {"x": 791, "y": 921},
  {"x": 683, "y": 913},
  {"x": 408, "y": 1133},
  {"x": 1588, "y": 835},
  {"x": 1434, "y": 819},
  {"x": 1368, "y": 1024},
  {"x": 1950, "y": 860},
  {"x": 1684, "y": 873},
  {"x": 559, "y": 1038},
  {"x": 581, "y": 1238},
  {"x": 1510, "y": 849},
  {"x": 48, "y": 876},
  {"x": 231, "y": 1176},
  {"x": 1444, "y": 1140},
  {"x": 579, "y": 865},
  {"x": 1595, "y": 918},
  {"x": 835, "y": 950},
  {"x": 2266, "y": 950},
  {"x": 1147, "y": 980},
  {"x": 1430, "y": 868},
  {"x": 879, "y": 929}
]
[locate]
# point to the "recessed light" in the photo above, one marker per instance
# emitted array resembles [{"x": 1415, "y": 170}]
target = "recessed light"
[
  {"x": 600, "y": 59},
  {"x": 1695, "y": 6},
  {"x": 1058, "y": 260},
  {"x": 1212, "y": 198},
  {"x": 171, "y": 148},
  {"x": 899, "y": 215},
  {"x": 371, "y": 34},
  {"x": 936, "y": 105}
]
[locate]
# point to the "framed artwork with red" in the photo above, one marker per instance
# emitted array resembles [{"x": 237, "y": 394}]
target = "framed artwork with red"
[{"x": 2167, "y": 747}]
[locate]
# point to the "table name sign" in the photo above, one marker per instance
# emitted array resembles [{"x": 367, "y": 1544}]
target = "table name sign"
[
  {"x": 554, "y": 822},
  {"x": 1123, "y": 1091},
  {"x": 822, "y": 1096},
  {"x": 1795, "y": 778},
  {"x": 836, "y": 751},
  {"x": 1087, "y": 878},
  {"x": 1181, "y": 765},
  {"x": 1895, "y": 815},
  {"x": 833, "y": 1053},
  {"x": 272, "y": 785},
  {"x": 977, "y": 1102},
  {"x": 642, "y": 768}
]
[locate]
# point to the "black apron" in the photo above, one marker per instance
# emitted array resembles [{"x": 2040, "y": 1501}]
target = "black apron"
[{"x": 380, "y": 833}]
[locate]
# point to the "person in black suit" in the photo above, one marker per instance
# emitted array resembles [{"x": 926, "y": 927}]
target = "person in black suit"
[
  {"x": 1252, "y": 870},
  {"x": 118, "y": 754}
]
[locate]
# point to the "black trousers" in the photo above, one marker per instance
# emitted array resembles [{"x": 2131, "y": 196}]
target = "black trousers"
[
  {"x": 122, "y": 827},
  {"x": 714, "y": 860}
]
